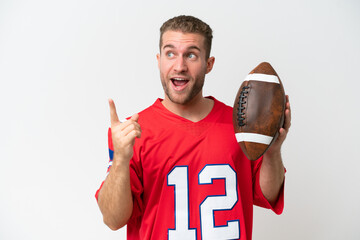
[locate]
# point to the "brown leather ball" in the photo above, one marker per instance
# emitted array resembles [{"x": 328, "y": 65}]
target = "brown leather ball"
[{"x": 258, "y": 111}]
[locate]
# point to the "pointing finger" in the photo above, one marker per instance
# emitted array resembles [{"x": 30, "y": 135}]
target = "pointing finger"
[{"x": 113, "y": 115}]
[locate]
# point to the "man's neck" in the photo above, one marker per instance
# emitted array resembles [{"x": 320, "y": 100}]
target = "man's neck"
[{"x": 195, "y": 110}]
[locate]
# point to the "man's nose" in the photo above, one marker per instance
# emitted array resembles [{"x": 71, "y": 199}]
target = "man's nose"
[{"x": 180, "y": 64}]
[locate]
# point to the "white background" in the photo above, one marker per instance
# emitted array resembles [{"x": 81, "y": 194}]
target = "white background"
[{"x": 61, "y": 60}]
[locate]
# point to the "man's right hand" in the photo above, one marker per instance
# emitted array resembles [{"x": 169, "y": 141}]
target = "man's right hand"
[
  {"x": 115, "y": 198},
  {"x": 123, "y": 135}
]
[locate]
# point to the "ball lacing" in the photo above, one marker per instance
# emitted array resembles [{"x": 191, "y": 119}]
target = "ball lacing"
[{"x": 241, "y": 108}]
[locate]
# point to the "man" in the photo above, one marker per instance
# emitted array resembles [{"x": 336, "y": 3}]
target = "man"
[{"x": 177, "y": 171}]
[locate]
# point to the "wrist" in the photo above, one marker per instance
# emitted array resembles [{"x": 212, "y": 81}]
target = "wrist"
[
  {"x": 273, "y": 153},
  {"x": 273, "y": 158},
  {"x": 120, "y": 162}
]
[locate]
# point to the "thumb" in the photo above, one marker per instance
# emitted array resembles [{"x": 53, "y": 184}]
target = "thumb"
[
  {"x": 282, "y": 135},
  {"x": 135, "y": 117}
]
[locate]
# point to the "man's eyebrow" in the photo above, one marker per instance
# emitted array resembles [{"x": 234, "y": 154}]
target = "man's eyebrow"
[
  {"x": 194, "y": 47},
  {"x": 189, "y": 48},
  {"x": 168, "y": 46}
]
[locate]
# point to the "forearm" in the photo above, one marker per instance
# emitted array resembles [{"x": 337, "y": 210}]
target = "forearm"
[
  {"x": 272, "y": 172},
  {"x": 272, "y": 175},
  {"x": 115, "y": 199}
]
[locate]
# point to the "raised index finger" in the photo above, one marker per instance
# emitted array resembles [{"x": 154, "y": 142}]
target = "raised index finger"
[{"x": 113, "y": 115}]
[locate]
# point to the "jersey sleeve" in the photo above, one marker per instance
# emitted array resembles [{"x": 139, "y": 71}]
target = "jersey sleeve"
[
  {"x": 135, "y": 179},
  {"x": 111, "y": 155},
  {"x": 259, "y": 198}
]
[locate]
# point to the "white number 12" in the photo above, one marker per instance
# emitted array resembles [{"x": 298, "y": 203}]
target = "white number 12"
[{"x": 178, "y": 178}]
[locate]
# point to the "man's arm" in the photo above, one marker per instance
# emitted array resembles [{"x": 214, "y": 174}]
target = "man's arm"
[
  {"x": 272, "y": 171},
  {"x": 115, "y": 198}
]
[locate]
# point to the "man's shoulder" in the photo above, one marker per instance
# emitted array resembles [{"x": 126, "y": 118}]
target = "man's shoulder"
[
  {"x": 221, "y": 105},
  {"x": 149, "y": 111},
  {"x": 150, "y": 115}
]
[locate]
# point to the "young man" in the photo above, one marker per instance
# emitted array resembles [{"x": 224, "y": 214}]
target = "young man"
[{"x": 177, "y": 171}]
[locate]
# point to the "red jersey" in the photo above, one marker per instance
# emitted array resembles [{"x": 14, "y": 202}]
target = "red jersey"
[{"x": 190, "y": 180}]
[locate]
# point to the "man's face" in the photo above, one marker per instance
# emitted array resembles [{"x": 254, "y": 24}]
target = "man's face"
[{"x": 183, "y": 66}]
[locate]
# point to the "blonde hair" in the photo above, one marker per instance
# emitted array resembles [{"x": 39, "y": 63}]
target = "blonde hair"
[{"x": 188, "y": 24}]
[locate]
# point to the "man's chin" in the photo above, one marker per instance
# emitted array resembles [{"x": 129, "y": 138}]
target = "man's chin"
[
  {"x": 178, "y": 100},
  {"x": 184, "y": 97}
]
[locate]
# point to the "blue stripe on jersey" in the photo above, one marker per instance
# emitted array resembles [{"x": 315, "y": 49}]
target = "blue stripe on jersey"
[{"x": 111, "y": 154}]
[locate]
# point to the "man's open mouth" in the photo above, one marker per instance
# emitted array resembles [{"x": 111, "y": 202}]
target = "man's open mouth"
[{"x": 179, "y": 82}]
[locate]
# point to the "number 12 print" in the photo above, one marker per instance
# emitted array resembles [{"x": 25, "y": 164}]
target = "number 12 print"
[{"x": 179, "y": 178}]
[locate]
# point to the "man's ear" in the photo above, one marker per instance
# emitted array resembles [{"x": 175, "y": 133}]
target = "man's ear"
[
  {"x": 158, "y": 59},
  {"x": 209, "y": 64}
]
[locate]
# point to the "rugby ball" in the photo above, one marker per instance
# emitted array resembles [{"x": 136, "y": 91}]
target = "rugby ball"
[{"x": 258, "y": 111}]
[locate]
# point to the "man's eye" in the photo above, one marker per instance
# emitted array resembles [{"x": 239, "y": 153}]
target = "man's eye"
[
  {"x": 170, "y": 54},
  {"x": 191, "y": 56}
]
